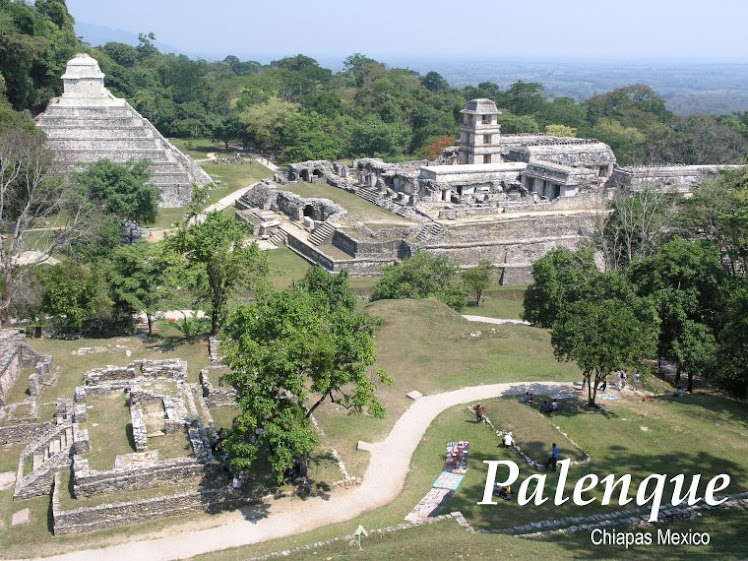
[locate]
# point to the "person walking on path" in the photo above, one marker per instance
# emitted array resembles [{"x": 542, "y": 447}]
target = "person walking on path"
[{"x": 555, "y": 457}]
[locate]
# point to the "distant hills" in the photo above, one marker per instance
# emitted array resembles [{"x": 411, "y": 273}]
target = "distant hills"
[{"x": 714, "y": 87}]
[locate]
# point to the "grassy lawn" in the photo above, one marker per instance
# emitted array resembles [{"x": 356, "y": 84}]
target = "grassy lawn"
[
  {"x": 286, "y": 267},
  {"x": 617, "y": 445},
  {"x": 20, "y": 389},
  {"x": 504, "y": 302},
  {"x": 109, "y": 429},
  {"x": 223, "y": 417},
  {"x": 533, "y": 431},
  {"x": 358, "y": 209},
  {"x": 428, "y": 347},
  {"x": 696, "y": 435}
]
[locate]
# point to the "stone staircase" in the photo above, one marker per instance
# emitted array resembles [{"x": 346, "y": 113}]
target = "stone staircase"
[
  {"x": 431, "y": 230},
  {"x": 279, "y": 237},
  {"x": 322, "y": 234},
  {"x": 370, "y": 194},
  {"x": 48, "y": 454},
  {"x": 85, "y": 134}
]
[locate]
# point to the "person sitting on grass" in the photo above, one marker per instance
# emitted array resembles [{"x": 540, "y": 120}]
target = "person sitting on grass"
[
  {"x": 503, "y": 492},
  {"x": 508, "y": 440},
  {"x": 545, "y": 407},
  {"x": 554, "y": 406}
]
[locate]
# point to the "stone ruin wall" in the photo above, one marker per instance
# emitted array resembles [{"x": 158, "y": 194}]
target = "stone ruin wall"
[
  {"x": 86, "y": 519},
  {"x": 679, "y": 178},
  {"x": 15, "y": 354},
  {"x": 216, "y": 396}
]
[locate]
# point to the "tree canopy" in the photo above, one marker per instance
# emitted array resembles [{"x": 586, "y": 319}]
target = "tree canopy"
[{"x": 422, "y": 276}]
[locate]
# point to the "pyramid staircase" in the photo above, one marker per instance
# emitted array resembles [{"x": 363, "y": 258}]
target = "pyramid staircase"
[{"x": 84, "y": 134}]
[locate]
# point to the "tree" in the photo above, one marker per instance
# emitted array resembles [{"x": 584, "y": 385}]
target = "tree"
[
  {"x": 334, "y": 287},
  {"x": 603, "y": 336},
  {"x": 478, "y": 278},
  {"x": 72, "y": 295},
  {"x": 30, "y": 191},
  {"x": 422, "y": 276},
  {"x": 121, "y": 190},
  {"x": 435, "y": 82},
  {"x": 718, "y": 212},
  {"x": 289, "y": 353},
  {"x": 560, "y": 130},
  {"x": 374, "y": 137},
  {"x": 137, "y": 279},
  {"x": 264, "y": 123},
  {"x": 732, "y": 367},
  {"x": 685, "y": 279},
  {"x": 636, "y": 227},
  {"x": 216, "y": 260},
  {"x": 560, "y": 278}
]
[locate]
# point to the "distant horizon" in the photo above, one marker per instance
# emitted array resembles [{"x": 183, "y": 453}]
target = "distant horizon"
[
  {"x": 638, "y": 30},
  {"x": 267, "y": 57}
]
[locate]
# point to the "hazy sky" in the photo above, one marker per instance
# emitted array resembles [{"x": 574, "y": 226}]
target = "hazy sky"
[{"x": 403, "y": 29}]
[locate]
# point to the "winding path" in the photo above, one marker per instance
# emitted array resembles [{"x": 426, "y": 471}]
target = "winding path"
[{"x": 383, "y": 482}]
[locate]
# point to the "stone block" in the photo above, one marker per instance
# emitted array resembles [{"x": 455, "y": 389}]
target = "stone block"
[
  {"x": 364, "y": 446},
  {"x": 415, "y": 394},
  {"x": 21, "y": 517}
]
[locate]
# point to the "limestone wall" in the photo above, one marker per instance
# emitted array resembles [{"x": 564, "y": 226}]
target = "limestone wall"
[
  {"x": 86, "y": 519},
  {"x": 88, "y": 482},
  {"x": 216, "y": 396},
  {"x": 678, "y": 178},
  {"x": 12, "y": 434}
]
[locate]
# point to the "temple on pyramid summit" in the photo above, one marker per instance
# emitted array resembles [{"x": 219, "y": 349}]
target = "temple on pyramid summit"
[{"x": 87, "y": 123}]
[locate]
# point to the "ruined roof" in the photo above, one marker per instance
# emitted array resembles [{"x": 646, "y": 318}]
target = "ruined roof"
[
  {"x": 481, "y": 106},
  {"x": 559, "y": 173},
  {"x": 566, "y": 153}
]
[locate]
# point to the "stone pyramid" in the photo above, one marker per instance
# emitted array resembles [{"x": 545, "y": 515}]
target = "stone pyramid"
[{"x": 87, "y": 123}]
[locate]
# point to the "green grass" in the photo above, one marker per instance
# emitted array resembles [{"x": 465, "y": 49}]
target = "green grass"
[
  {"x": 504, "y": 302},
  {"x": 698, "y": 435},
  {"x": 223, "y": 417},
  {"x": 427, "y": 346},
  {"x": 20, "y": 389},
  {"x": 359, "y": 210},
  {"x": 286, "y": 267},
  {"x": 533, "y": 431},
  {"x": 109, "y": 429},
  {"x": 446, "y": 540}
]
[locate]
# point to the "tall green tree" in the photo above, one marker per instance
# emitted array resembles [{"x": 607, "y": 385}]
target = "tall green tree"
[
  {"x": 137, "y": 279},
  {"x": 604, "y": 336},
  {"x": 217, "y": 259},
  {"x": 289, "y": 353},
  {"x": 560, "y": 278}
]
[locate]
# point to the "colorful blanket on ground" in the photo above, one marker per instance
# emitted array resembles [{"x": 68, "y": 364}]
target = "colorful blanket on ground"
[
  {"x": 457, "y": 456},
  {"x": 448, "y": 480}
]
